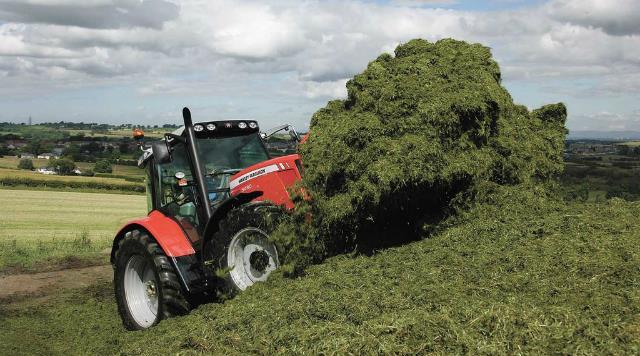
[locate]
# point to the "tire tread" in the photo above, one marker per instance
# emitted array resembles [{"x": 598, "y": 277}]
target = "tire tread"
[{"x": 173, "y": 298}]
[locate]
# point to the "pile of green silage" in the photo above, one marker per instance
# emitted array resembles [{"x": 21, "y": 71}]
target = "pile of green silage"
[
  {"x": 418, "y": 130},
  {"x": 516, "y": 271}
]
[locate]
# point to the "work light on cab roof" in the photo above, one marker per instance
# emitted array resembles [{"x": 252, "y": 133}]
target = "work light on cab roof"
[{"x": 214, "y": 195}]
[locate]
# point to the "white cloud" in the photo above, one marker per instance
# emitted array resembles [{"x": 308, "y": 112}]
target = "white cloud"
[
  {"x": 247, "y": 30},
  {"x": 327, "y": 41},
  {"x": 335, "y": 89},
  {"x": 607, "y": 121},
  {"x": 619, "y": 17},
  {"x": 423, "y": 2},
  {"x": 229, "y": 48},
  {"x": 90, "y": 14}
]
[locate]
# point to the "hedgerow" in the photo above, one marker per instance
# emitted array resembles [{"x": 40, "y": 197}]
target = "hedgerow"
[
  {"x": 136, "y": 179},
  {"x": 21, "y": 181}
]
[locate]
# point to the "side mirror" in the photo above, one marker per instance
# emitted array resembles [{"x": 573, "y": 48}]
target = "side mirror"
[{"x": 161, "y": 152}]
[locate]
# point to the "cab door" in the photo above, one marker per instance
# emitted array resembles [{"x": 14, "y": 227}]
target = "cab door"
[{"x": 175, "y": 193}]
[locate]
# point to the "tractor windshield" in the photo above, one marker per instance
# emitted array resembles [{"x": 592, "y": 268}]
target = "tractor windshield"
[
  {"x": 224, "y": 156},
  {"x": 230, "y": 153}
]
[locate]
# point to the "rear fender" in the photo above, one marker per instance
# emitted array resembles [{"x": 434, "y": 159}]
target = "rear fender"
[{"x": 167, "y": 233}]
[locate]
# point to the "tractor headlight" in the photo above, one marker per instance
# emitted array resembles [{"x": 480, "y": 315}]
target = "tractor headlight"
[
  {"x": 211, "y": 127},
  {"x": 253, "y": 125},
  {"x": 198, "y": 128},
  {"x": 242, "y": 125}
]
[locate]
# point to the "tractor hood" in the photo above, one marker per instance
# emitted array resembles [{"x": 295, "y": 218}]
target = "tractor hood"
[{"x": 272, "y": 178}]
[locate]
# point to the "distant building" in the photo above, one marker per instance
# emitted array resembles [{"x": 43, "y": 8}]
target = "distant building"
[
  {"x": 46, "y": 170},
  {"x": 27, "y": 155},
  {"x": 48, "y": 155}
]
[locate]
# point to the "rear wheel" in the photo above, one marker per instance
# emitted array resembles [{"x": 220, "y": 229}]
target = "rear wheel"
[
  {"x": 241, "y": 251},
  {"x": 146, "y": 286}
]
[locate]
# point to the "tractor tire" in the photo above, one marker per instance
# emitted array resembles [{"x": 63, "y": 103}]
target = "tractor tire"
[
  {"x": 146, "y": 285},
  {"x": 240, "y": 250}
]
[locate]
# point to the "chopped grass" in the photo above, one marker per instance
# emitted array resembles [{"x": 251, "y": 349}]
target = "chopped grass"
[{"x": 520, "y": 273}]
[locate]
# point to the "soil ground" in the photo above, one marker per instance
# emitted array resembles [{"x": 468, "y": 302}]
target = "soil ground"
[{"x": 20, "y": 287}]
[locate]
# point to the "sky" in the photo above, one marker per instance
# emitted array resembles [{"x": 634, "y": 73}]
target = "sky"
[{"x": 140, "y": 62}]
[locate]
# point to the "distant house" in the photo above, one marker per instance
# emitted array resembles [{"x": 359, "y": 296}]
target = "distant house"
[
  {"x": 27, "y": 155},
  {"x": 48, "y": 155},
  {"x": 46, "y": 170},
  {"x": 77, "y": 171}
]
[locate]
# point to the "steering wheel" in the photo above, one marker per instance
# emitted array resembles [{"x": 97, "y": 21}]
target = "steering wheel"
[
  {"x": 217, "y": 185},
  {"x": 217, "y": 175}
]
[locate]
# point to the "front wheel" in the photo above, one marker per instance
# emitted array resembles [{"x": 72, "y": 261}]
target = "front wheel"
[
  {"x": 241, "y": 251},
  {"x": 146, "y": 285}
]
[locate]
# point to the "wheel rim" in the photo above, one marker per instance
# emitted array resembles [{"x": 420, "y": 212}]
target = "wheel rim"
[
  {"x": 141, "y": 291},
  {"x": 251, "y": 257}
]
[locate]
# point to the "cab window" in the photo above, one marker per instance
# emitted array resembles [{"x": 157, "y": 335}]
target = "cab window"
[{"x": 175, "y": 200}]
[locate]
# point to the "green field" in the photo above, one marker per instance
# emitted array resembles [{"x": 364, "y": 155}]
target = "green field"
[
  {"x": 521, "y": 273},
  {"x": 11, "y": 162},
  {"x": 127, "y": 170},
  {"x": 37, "y": 226},
  {"x": 600, "y": 177},
  {"x": 631, "y": 143},
  {"x": 22, "y": 179}
]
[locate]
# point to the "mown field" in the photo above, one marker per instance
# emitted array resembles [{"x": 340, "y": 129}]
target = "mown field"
[
  {"x": 632, "y": 143},
  {"x": 22, "y": 179},
  {"x": 38, "y": 228},
  {"x": 520, "y": 273}
]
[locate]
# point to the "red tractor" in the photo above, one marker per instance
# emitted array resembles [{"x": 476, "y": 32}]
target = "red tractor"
[{"x": 213, "y": 193}]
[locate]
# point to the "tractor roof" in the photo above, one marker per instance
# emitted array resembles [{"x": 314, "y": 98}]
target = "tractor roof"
[
  {"x": 211, "y": 129},
  {"x": 226, "y": 128}
]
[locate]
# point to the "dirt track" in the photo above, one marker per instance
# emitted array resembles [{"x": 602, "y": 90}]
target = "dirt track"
[{"x": 49, "y": 283}]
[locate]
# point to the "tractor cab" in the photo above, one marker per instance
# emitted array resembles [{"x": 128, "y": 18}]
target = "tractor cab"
[
  {"x": 213, "y": 193},
  {"x": 223, "y": 149}
]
